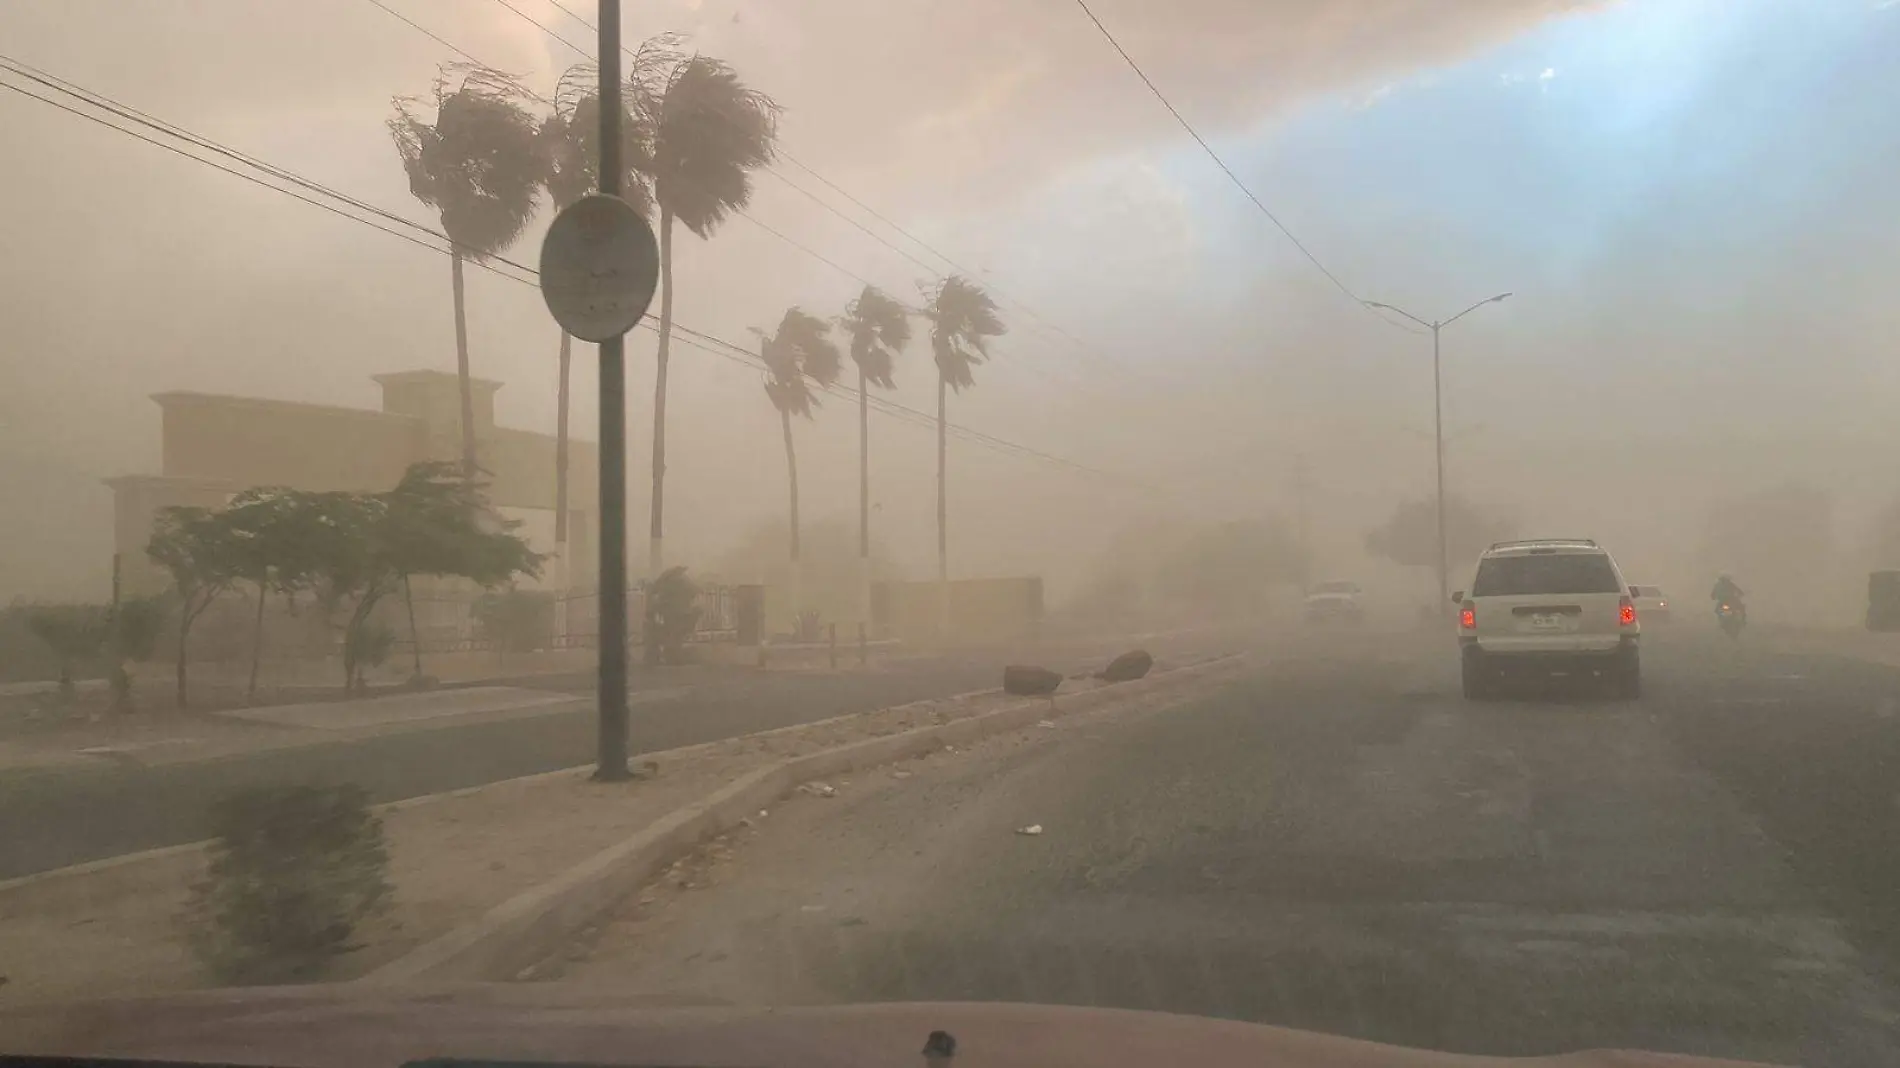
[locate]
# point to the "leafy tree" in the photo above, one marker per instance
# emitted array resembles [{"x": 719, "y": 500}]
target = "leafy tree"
[
  {"x": 273, "y": 533},
  {"x": 195, "y": 546},
  {"x": 710, "y": 131},
  {"x": 434, "y": 522},
  {"x": 481, "y": 166},
  {"x": 1410, "y": 535},
  {"x": 879, "y": 328},
  {"x": 570, "y": 145},
  {"x": 797, "y": 355},
  {"x": 963, "y": 318},
  {"x": 73, "y": 632}
]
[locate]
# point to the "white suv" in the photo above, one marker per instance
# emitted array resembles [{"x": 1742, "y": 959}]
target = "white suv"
[{"x": 1556, "y": 606}]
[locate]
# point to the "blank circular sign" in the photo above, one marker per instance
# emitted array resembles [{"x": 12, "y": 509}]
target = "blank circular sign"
[{"x": 599, "y": 267}]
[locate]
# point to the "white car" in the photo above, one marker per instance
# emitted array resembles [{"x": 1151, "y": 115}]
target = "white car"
[
  {"x": 1553, "y": 607},
  {"x": 1652, "y": 605},
  {"x": 1334, "y": 601}
]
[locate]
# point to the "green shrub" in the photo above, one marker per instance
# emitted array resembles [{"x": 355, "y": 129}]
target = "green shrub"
[
  {"x": 294, "y": 870},
  {"x": 673, "y": 613}
]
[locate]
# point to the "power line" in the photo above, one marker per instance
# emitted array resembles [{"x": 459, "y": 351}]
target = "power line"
[
  {"x": 1218, "y": 162},
  {"x": 528, "y": 276}
]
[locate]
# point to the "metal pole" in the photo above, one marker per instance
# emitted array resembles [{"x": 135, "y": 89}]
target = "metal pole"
[
  {"x": 612, "y": 684},
  {"x": 1438, "y": 437}
]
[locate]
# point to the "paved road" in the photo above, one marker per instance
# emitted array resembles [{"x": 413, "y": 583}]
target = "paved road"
[
  {"x": 1343, "y": 846},
  {"x": 53, "y": 818}
]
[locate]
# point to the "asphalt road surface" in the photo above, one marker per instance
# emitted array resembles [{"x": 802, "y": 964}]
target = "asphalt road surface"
[
  {"x": 1341, "y": 844},
  {"x": 53, "y": 818}
]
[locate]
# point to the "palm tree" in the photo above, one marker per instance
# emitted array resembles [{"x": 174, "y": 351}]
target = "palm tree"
[
  {"x": 879, "y": 328},
  {"x": 797, "y": 355},
  {"x": 709, "y": 132},
  {"x": 570, "y": 145},
  {"x": 481, "y": 167},
  {"x": 962, "y": 320}
]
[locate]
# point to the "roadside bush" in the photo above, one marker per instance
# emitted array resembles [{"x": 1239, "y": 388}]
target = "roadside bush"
[
  {"x": 294, "y": 870},
  {"x": 674, "y": 613}
]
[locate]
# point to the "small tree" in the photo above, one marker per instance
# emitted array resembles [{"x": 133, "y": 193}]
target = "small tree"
[
  {"x": 74, "y": 633},
  {"x": 435, "y": 522},
  {"x": 293, "y": 871},
  {"x": 195, "y": 546},
  {"x": 273, "y": 533},
  {"x": 1410, "y": 535}
]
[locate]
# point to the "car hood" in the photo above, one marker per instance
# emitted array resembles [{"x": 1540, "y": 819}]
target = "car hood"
[{"x": 359, "y": 1025}]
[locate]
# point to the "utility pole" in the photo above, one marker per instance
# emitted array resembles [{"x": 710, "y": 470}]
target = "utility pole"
[
  {"x": 1438, "y": 431},
  {"x": 611, "y": 687}
]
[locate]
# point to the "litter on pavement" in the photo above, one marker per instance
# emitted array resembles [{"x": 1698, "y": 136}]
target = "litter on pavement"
[{"x": 1032, "y": 830}]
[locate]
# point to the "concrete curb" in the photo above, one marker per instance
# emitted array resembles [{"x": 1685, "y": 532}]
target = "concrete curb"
[{"x": 522, "y": 930}]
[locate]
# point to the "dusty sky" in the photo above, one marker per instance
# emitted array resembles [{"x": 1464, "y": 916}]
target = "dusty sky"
[{"x": 1692, "y": 200}]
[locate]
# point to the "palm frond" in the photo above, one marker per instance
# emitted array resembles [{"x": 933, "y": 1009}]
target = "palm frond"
[
  {"x": 963, "y": 317},
  {"x": 800, "y": 352},
  {"x": 570, "y": 142},
  {"x": 709, "y": 131},
  {"x": 480, "y": 164},
  {"x": 878, "y": 327}
]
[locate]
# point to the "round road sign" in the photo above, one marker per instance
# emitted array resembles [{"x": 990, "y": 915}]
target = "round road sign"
[{"x": 599, "y": 267}]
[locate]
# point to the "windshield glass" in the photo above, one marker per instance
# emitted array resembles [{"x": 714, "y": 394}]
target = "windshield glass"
[
  {"x": 1554, "y": 573},
  {"x": 770, "y": 504}
]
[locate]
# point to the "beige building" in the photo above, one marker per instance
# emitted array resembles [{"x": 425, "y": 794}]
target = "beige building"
[{"x": 215, "y": 446}]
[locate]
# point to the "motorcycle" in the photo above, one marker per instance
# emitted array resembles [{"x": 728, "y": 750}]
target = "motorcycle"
[{"x": 1731, "y": 617}]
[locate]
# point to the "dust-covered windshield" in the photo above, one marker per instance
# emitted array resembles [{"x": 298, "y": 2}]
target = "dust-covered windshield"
[{"x": 781, "y": 504}]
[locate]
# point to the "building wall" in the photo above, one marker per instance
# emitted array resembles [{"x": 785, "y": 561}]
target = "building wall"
[{"x": 251, "y": 442}]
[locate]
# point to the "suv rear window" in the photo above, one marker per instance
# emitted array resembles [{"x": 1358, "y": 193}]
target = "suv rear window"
[{"x": 1554, "y": 573}]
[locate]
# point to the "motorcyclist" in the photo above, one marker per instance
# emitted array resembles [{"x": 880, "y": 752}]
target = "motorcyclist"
[{"x": 1726, "y": 592}]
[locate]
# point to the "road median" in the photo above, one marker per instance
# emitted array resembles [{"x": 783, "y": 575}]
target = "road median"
[{"x": 484, "y": 875}]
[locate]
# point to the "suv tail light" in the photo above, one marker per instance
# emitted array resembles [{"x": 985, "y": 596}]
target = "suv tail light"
[
  {"x": 1626, "y": 612},
  {"x": 1468, "y": 618}
]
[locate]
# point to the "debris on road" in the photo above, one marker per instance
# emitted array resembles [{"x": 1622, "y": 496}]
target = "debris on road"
[
  {"x": 1046, "y": 724},
  {"x": 1128, "y": 667},
  {"x": 1032, "y": 830},
  {"x": 819, "y": 789},
  {"x": 900, "y": 773},
  {"x": 1027, "y": 680}
]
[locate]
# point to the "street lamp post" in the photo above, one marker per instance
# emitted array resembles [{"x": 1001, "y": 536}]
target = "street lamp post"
[{"x": 1438, "y": 428}]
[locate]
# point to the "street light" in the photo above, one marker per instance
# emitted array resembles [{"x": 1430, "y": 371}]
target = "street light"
[{"x": 1438, "y": 428}]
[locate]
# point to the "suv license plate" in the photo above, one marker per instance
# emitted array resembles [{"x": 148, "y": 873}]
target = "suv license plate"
[{"x": 1547, "y": 622}]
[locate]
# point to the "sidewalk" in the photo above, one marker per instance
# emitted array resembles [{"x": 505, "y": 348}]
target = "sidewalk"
[{"x": 155, "y": 738}]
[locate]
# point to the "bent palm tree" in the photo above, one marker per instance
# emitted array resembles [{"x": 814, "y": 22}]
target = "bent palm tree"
[
  {"x": 797, "y": 355},
  {"x": 709, "y": 132},
  {"x": 480, "y": 166},
  {"x": 879, "y": 328},
  {"x": 570, "y": 145},
  {"x": 963, "y": 318}
]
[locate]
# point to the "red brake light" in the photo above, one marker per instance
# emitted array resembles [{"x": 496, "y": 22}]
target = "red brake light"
[
  {"x": 1627, "y": 610},
  {"x": 1468, "y": 619}
]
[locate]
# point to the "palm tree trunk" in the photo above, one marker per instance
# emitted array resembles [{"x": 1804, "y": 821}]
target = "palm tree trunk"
[
  {"x": 656, "y": 544},
  {"x": 257, "y": 639},
  {"x": 415, "y": 639},
  {"x": 461, "y": 365},
  {"x": 943, "y": 512},
  {"x": 864, "y": 501},
  {"x": 791, "y": 472},
  {"x": 560, "y": 487}
]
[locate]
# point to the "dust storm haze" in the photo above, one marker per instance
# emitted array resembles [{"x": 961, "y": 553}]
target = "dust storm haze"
[{"x": 1691, "y": 202}]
